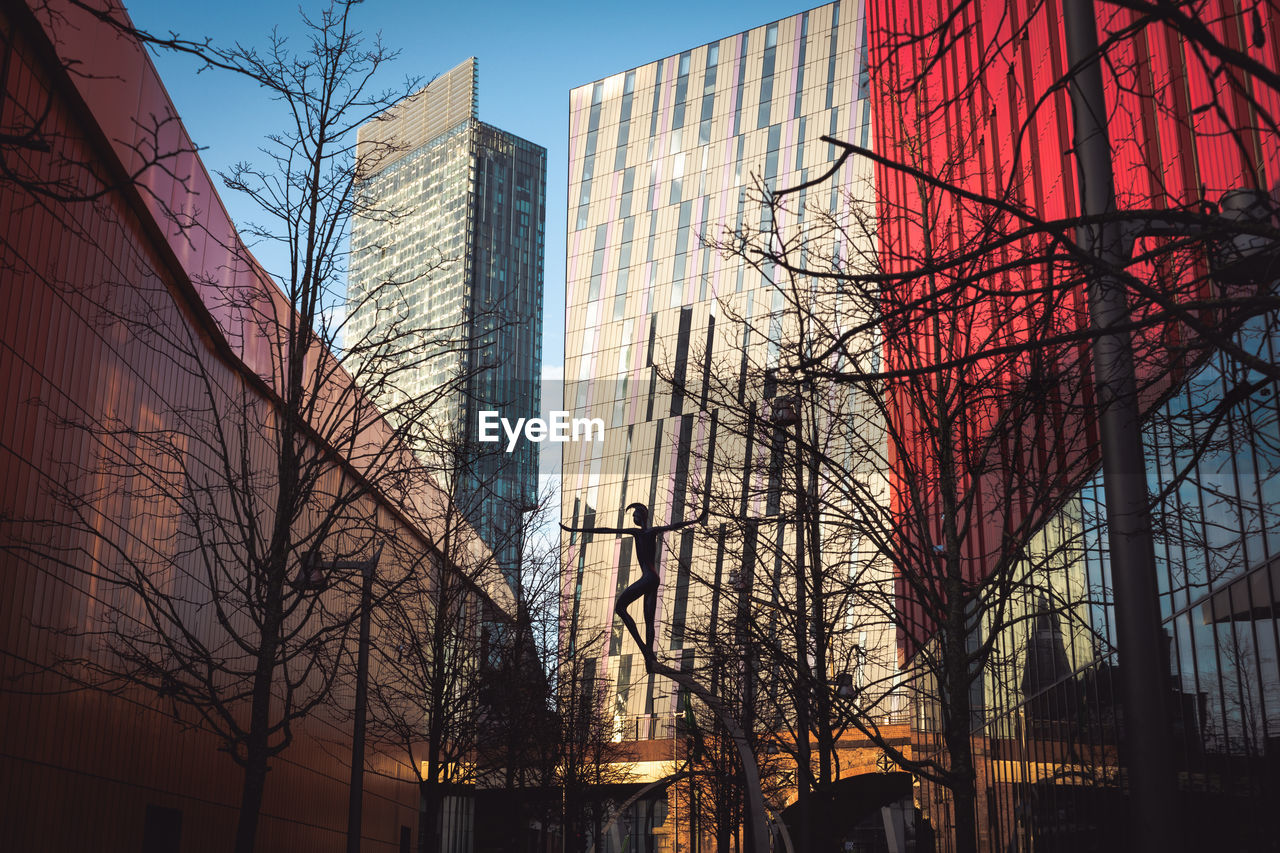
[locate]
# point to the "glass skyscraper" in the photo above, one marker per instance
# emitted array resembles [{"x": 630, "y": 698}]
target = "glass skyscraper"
[
  {"x": 458, "y": 228},
  {"x": 666, "y": 160}
]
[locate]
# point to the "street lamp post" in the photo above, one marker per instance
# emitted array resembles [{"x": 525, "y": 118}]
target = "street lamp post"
[
  {"x": 314, "y": 574},
  {"x": 1152, "y": 783},
  {"x": 741, "y": 584},
  {"x": 755, "y": 829},
  {"x": 786, "y": 413},
  {"x": 1243, "y": 258},
  {"x": 811, "y": 642}
]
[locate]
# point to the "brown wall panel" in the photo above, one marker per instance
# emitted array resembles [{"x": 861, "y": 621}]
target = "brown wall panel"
[{"x": 78, "y": 768}]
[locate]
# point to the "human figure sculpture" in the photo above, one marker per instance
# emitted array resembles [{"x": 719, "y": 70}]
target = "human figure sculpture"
[{"x": 646, "y": 539}]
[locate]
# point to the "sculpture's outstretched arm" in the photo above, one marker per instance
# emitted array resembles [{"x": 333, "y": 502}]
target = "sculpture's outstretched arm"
[{"x": 567, "y": 529}]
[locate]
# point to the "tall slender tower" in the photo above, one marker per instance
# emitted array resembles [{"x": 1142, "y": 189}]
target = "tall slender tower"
[
  {"x": 461, "y": 207},
  {"x": 661, "y": 158}
]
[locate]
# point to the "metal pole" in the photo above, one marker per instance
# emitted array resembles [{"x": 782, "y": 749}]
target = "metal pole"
[
  {"x": 748, "y": 679},
  {"x": 355, "y": 803},
  {"x": 675, "y": 792},
  {"x": 1152, "y": 783},
  {"x": 803, "y": 751}
]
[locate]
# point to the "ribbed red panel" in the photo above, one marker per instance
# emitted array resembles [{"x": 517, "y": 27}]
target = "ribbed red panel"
[{"x": 987, "y": 114}]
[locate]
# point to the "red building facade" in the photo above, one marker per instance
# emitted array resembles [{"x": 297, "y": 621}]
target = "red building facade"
[{"x": 979, "y": 205}]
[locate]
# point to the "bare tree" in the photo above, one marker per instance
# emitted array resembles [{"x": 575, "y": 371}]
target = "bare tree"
[
  {"x": 1185, "y": 82},
  {"x": 519, "y": 736},
  {"x": 204, "y": 515},
  {"x": 426, "y": 693},
  {"x": 903, "y": 454},
  {"x": 710, "y": 787},
  {"x": 1187, "y": 264},
  {"x": 589, "y": 758},
  {"x": 440, "y": 697}
]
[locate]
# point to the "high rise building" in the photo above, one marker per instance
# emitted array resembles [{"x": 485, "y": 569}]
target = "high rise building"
[
  {"x": 1064, "y": 754},
  {"x": 460, "y": 209},
  {"x": 664, "y": 161}
]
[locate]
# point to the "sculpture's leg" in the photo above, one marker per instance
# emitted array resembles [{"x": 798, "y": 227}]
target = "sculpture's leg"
[
  {"x": 650, "y": 614},
  {"x": 629, "y": 595}
]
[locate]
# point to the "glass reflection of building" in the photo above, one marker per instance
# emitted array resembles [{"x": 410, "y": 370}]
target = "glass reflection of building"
[
  {"x": 1052, "y": 733},
  {"x": 662, "y": 158},
  {"x": 457, "y": 226}
]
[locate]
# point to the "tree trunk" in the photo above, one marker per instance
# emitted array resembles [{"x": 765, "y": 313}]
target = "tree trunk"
[
  {"x": 755, "y": 824},
  {"x": 724, "y": 829},
  {"x": 963, "y": 786},
  {"x": 257, "y": 747},
  {"x": 428, "y": 816},
  {"x": 964, "y": 796},
  {"x": 255, "y": 779},
  {"x": 255, "y": 768},
  {"x": 959, "y": 739}
]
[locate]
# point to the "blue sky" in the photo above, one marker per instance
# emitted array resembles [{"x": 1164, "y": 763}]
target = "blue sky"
[{"x": 530, "y": 56}]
